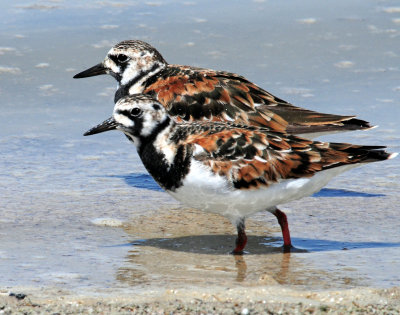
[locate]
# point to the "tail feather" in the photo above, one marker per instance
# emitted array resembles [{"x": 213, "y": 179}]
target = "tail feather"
[
  {"x": 356, "y": 124},
  {"x": 363, "y": 154},
  {"x": 303, "y": 121}
]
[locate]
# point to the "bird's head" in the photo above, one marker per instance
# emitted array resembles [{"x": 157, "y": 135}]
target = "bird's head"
[
  {"x": 138, "y": 116},
  {"x": 127, "y": 61}
]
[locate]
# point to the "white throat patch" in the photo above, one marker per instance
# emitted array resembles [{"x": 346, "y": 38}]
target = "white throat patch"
[
  {"x": 138, "y": 63},
  {"x": 123, "y": 120},
  {"x": 150, "y": 122},
  {"x": 109, "y": 64}
]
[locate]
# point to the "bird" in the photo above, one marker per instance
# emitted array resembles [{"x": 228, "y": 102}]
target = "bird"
[
  {"x": 231, "y": 169},
  {"x": 192, "y": 94}
]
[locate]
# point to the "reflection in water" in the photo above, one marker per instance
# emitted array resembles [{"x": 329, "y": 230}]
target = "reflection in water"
[
  {"x": 241, "y": 266},
  {"x": 203, "y": 258},
  {"x": 169, "y": 267},
  {"x": 282, "y": 277}
]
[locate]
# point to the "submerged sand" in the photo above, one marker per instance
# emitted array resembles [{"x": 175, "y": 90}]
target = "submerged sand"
[{"x": 187, "y": 269}]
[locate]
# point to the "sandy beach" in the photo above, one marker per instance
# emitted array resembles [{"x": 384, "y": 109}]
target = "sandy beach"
[{"x": 270, "y": 300}]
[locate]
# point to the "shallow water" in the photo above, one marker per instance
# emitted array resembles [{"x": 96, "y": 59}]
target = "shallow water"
[{"x": 60, "y": 192}]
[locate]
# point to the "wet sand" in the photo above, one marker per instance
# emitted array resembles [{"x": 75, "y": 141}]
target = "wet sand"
[{"x": 179, "y": 262}]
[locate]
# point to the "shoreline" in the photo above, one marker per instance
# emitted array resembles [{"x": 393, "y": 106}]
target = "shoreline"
[{"x": 238, "y": 300}]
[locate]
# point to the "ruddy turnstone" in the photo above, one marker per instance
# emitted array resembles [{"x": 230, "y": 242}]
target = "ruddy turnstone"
[
  {"x": 191, "y": 94},
  {"x": 231, "y": 169}
]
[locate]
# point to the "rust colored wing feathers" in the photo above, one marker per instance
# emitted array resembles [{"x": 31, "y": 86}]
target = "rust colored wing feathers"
[
  {"x": 200, "y": 94},
  {"x": 250, "y": 156}
]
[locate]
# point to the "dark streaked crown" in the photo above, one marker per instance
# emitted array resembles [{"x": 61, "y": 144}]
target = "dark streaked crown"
[{"x": 139, "y": 45}]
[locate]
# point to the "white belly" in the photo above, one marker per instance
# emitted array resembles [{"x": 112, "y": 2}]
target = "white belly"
[{"x": 206, "y": 191}]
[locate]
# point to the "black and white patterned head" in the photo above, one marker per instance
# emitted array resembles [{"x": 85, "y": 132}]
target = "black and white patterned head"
[
  {"x": 138, "y": 116},
  {"x": 128, "y": 61}
]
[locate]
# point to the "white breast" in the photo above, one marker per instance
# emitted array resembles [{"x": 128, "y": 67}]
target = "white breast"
[{"x": 206, "y": 191}]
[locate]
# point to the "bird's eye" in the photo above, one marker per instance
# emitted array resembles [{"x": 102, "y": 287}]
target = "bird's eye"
[
  {"x": 135, "y": 112},
  {"x": 122, "y": 58}
]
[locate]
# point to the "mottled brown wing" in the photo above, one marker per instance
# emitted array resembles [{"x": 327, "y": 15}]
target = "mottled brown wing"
[
  {"x": 250, "y": 156},
  {"x": 195, "y": 94},
  {"x": 192, "y": 94},
  {"x": 300, "y": 120}
]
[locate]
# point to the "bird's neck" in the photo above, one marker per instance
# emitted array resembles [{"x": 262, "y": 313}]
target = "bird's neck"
[
  {"x": 166, "y": 161},
  {"x": 136, "y": 82}
]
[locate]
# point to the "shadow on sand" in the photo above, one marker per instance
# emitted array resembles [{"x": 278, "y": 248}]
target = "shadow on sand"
[
  {"x": 257, "y": 245},
  {"x": 145, "y": 181}
]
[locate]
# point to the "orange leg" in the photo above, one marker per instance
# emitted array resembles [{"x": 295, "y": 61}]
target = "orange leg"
[
  {"x": 241, "y": 239},
  {"x": 283, "y": 222}
]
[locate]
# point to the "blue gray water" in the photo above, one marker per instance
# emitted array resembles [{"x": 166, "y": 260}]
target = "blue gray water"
[{"x": 74, "y": 209}]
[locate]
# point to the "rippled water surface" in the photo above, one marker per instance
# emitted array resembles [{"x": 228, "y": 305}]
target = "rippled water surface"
[{"x": 81, "y": 213}]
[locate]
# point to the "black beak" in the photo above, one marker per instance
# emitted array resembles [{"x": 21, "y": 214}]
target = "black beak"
[
  {"x": 95, "y": 70},
  {"x": 107, "y": 125}
]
